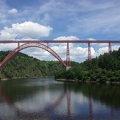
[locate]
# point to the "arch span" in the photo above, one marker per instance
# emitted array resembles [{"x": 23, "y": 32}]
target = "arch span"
[{"x": 27, "y": 45}]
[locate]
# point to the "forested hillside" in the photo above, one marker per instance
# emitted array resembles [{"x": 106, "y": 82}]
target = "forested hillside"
[
  {"x": 101, "y": 69},
  {"x": 105, "y": 68},
  {"x": 22, "y": 65}
]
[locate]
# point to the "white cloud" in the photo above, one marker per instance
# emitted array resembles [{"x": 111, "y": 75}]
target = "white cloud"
[
  {"x": 115, "y": 47},
  {"x": 97, "y": 44},
  {"x": 104, "y": 49},
  {"x": 103, "y": 44},
  {"x": 91, "y": 39},
  {"x": 5, "y": 47},
  {"x": 67, "y": 38},
  {"x": 37, "y": 53},
  {"x": 13, "y": 11},
  {"x": 26, "y": 29}
]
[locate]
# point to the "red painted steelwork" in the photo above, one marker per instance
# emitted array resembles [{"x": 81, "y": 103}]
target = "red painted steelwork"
[
  {"x": 109, "y": 47},
  {"x": 68, "y": 56},
  {"x": 89, "y": 51},
  {"x": 19, "y": 48},
  {"x": 59, "y": 41}
]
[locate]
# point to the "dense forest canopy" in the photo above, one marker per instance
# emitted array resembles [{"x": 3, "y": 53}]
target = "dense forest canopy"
[{"x": 105, "y": 68}]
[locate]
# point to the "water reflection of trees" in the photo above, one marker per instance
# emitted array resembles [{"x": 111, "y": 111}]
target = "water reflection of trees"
[
  {"x": 17, "y": 90},
  {"x": 105, "y": 93},
  {"x": 21, "y": 89}
]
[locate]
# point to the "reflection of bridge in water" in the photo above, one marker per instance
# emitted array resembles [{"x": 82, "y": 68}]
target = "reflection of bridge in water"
[
  {"x": 41, "y": 44},
  {"x": 45, "y": 113}
]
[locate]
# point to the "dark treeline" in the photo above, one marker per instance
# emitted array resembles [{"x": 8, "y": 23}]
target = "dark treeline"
[{"x": 105, "y": 68}]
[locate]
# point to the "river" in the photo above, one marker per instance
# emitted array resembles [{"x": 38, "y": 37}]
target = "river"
[{"x": 47, "y": 99}]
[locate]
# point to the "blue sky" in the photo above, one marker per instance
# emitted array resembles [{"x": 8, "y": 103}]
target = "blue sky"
[{"x": 60, "y": 19}]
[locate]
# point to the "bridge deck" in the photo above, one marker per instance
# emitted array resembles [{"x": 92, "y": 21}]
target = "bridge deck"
[{"x": 59, "y": 41}]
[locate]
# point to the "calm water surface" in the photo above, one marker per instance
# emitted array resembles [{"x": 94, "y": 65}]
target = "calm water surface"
[{"x": 47, "y": 99}]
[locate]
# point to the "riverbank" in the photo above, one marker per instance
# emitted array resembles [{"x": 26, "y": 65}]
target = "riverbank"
[
  {"x": 4, "y": 79},
  {"x": 87, "y": 81}
]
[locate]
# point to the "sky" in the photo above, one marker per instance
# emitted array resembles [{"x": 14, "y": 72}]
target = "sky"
[{"x": 60, "y": 20}]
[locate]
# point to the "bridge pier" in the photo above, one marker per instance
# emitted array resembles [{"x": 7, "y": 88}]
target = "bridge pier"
[
  {"x": 0, "y": 73},
  {"x": 109, "y": 47},
  {"x": 68, "y": 66},
  {"x": 89, "y": 51},
  {"x": 18, "y": 44}
]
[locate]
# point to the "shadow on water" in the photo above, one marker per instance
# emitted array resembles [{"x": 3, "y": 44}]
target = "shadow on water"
[{"x": 59, "y": 96}]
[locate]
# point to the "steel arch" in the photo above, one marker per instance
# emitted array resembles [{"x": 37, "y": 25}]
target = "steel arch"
[{"x": 26, "y": 45}]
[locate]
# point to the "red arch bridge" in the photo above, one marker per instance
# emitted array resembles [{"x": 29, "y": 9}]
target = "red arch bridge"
[{"x": 44, "y": 44}]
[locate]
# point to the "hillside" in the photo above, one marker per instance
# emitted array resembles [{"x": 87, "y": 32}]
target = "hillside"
[
  {"x": 101, "y": 69},
  {"x": 105, "y": 68},
  {"x": 24, "y": 66}
]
